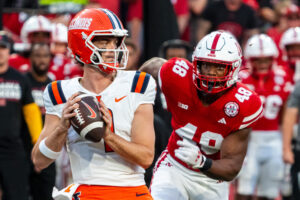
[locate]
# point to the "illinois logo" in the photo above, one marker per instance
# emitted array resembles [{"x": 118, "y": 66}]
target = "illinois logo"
[{"x": 231, "y": 109}]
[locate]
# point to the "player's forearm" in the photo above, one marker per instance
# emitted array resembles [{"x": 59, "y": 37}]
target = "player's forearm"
[
  {"x": 130, "y": 151},
  {"x": 224, "y": 169},
  {"x": 289, "y": 120},
  {"x": 55, "y": 142}
]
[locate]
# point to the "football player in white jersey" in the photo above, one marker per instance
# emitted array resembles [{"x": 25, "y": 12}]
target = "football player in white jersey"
[{"x": 114, "y": 167}]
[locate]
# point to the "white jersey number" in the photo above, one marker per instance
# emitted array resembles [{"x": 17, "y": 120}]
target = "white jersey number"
[
  {"x": 272, "y": 106},
  {"x": 210, "y": 142},
  {"x": 180, "y": 68},
  {"x": 243, "y": 94}
]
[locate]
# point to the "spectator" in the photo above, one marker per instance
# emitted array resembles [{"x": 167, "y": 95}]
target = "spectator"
[
  {"x": 229, "y": 15},
  {"x": 133, "y": 57},
  {"x": 176, "y": 48},
  {"x": 287, "y": 17},
  {"x": 41, "y": 183},
  {"x": 290, "y": 121},
  {"x": 16, "y": 102}
]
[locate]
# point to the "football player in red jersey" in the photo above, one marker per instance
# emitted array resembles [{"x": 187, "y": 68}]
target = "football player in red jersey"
[
  {"x": 290, "y": 45},
  {"x": 114, "y": 167},
  {"x": 262, "y": 171},
  {"x": 211, "y": 118},
  {"x": 36, "y": 29}
]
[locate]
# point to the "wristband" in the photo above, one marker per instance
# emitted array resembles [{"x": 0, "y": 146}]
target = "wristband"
[
  {"x": 207, "y": 164},
  {"x": 46, "y": 151}
]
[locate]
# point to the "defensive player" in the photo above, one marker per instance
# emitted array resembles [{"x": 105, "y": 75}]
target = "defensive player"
[
  {"x": 211, "y": 114},
  {"x": 262, "y": 171},
  {"x": 114, "y": 167}
]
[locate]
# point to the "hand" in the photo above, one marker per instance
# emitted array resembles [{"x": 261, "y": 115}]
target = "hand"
[
  {"x": 67, "y": 112},
  {"x": 107, "y": 119},
  {"x": 288, "y": 156},
  {"x": 190, "y": 153}
]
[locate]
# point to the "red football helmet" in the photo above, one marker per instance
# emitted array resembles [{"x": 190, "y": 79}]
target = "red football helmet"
[
  {"x": 90, "y": 23},
  {"x": 218, "y": 47}
]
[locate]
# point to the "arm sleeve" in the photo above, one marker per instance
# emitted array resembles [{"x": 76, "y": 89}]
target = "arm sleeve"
[
  {"x": 294, "y": 98},
  {"x": 33, "y": 119}
]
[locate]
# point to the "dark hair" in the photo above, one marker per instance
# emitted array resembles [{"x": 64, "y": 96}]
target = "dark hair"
[{"x": 175, "y": 43}]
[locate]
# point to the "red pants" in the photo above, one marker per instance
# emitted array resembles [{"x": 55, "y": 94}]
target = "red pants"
[{"x": 96, "y": 192}]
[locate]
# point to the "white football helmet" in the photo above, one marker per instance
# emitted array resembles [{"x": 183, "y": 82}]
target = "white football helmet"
[
  {"x": 290, "y": 36},
  {"x": 260, "y": 45},
  {"x": 35, "y": 24},
  {"x": 221, "y": 48},
  {"x": 59, "y": 33}
]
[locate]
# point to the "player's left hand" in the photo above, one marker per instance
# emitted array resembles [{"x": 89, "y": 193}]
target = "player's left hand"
[{"x": 190, "y": 153}]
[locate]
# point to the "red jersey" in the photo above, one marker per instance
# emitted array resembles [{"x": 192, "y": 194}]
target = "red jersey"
[
  {"x": 20, "y": 63},
  {"x": 273, "y": 90},
  {"x": 62, "y": 68},
  {"x": 236, "y": 109}
]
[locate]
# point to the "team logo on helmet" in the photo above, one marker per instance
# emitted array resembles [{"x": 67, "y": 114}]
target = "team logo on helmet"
[{"x": 231, "y": 109}]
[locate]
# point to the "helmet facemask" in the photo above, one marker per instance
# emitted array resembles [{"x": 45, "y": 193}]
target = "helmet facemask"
[
  {"x": 212, "y": 84},
  {"x": 120, "y": 54}
]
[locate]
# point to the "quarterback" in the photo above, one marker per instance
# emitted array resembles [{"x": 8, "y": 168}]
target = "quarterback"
[
  {"x": 211, "y": 116},
  {"x": 114, "y": 167}
]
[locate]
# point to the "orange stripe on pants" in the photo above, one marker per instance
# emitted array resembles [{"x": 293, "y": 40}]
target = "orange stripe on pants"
[{"x": 98, "y": 192}]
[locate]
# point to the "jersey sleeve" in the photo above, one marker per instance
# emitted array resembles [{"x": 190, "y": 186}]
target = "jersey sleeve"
[
  {"x": 294, "y": 98},
  {"x": 150, "y": 92},
  {"x": 144, "y": 89},
  {"x": 54, "y": 98},
  {"x": 173, "y": 76},
  {"x": 252, "y": 110}
]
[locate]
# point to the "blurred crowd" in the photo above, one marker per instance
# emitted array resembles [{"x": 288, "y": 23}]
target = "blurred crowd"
[{"x": 34, "y": 51}]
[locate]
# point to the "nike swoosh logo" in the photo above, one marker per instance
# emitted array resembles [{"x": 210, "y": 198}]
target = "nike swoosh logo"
[
  {"x": 92, "y": 112},
  {"x": 140, "y": 194},
  {"x": 119, "y": 99}
]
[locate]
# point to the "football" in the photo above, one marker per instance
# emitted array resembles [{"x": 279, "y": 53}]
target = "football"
[{"x": 88, "y": 122}]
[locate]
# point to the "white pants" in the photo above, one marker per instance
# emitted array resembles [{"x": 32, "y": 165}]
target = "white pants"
[
  {"x": 263, "y": 165},
  {"x": 172, "y": 181}
]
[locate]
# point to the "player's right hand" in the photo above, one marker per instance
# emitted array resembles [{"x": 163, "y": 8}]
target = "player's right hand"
[
  {"x": 288, "y": 156},
  {"x": 190, "y": 153},
  {"x": 67, "y": 112}
]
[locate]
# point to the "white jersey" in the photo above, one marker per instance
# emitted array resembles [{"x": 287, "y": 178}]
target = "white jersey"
[{"x": 95, "y": 163}]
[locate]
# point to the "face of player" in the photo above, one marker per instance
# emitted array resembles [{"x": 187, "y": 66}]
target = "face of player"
[
  {"x": 261, "y": 65},
  {"x": 176, "y": 52},
  {"x": 213, "y": 69},
  {"x": 40, "y": 59},
  {"x": 107, "y": 42},
  {"x": 214, "y": 73},
  {"x": 4, "y": 55},
  {"x": 39, "y": 37},
  {"x": 293, "y": 52}
]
